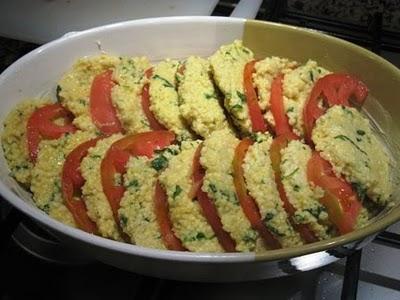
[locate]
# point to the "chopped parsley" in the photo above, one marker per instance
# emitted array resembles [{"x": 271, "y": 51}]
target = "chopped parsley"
[
  {"x": 210, "y": 96},
  {"x": 237, "y": 107},
  {"x": 177, "y": 191},
  {"x": 274, "y": 230},
  {"x": 291, "y": 174},
  {"x": 159, "y": 163},
  {"x": 360, "y": 132},
  {"x": 123, "y": 219},
  {"x": 241, "y": 96},
  {"x": 311, "y": 76},
  {"x": 346, "y": 138},
  {"x": 198, "y": 237},
  {"x": 166, "y": 82},
  {"x": 250, "y": 236},
  {"x": 360, "y": 190},
  {"x": 133, "y": 183},
  {"x": 268, "y": 217},
  {"x": 290, "y": 109},
  {"x": 213, "y": 188}
]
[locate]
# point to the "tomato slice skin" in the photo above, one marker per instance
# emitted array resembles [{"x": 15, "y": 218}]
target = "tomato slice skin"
[
  {"x": 207, "y": 206},
  {"x": 103, "y": 113},
  {"x": 71, "y": 184},
  {"x": 141, "y": 144},
  {"x": 248, "y": 204},
  {"x": 255, "y": 113},
  {"x": 162, "y": 215},
  {"x": 341, "y": 202},
  {"x": 40, "y": 125},
  {"x": 334, "y": 89},
  {"x": 282, "y": 125},
  {"x": 277, "y": 145},
  {"x": 154, "y": 124}
]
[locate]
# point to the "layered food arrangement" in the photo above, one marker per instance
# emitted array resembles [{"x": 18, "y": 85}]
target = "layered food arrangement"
[{"x": 221, "y": 154}]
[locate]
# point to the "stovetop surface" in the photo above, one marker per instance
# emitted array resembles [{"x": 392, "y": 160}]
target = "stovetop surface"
[{"x": 30, "y": 277}]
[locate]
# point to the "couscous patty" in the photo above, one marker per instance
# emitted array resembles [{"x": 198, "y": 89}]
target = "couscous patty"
[
  {"x": 129, "y": 76},
  {"x": 227, "y": 65},
  {"x": 216, "y": 158},
  {"x": 74, "y": 87},
  {"x": 199, "y": 99},
  {"x": 14, "y": 140},
  {"x": 345, "y": 138},
  {"x": 98, "y": 207},
  {"x": 188, "y": 222},
  {"x": 46, "y": 174}
]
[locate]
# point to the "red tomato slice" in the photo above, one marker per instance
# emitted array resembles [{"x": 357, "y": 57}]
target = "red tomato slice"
[
  {"x": 282, "y": 125},
  {"x": 256, "y": 117},
  {"x": 277, "y": 145},
  {"x": 71, "y": 184},
  {"x": 41, "y": 125},
  {"x": 162, "y": 215},
  {"x": 154, "y": 124},
  {"x": 141, "y": 144},
  {"x": 207, "y": 205},
  {"x": 340, "y": 200},
  {"x": 247, "y": 203},
  {"x": 102, "y": 110},
  {"x": 332, "y": 89}
]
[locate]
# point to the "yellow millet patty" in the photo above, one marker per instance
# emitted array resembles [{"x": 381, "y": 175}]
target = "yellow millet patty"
[
  {"x": 14, "y": 142},
  {"x": 126, "y": 94},
  {"x": 76, "y": 83},
  {"x": 297, "y": 86},
  {"x": 188, "y": 222},
  {"x": 199, "y": 102},
  {"x": 299, "y": 192},
  {"x": 227, "y": 65},
  {"x": 260, "y": 180},
  {"x": 99, "y": 209},
  {"x": 265, "y": 72},
  {"x": 164, "y": 98},
  {"x": 345, "y": 138},
  {"x": 216, "y": 158},
  {"x": 47, "y": 172},
  {"x": 137, "y": 216}
]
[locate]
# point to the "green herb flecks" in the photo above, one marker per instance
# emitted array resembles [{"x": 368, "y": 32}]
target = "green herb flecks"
[
  {"x": 241, "y": 96},
  {"x": 177, "y": 192},
  {"x": 134, "y": 183},
  {"x": 199, "y": 236},
  {"x": 237, "y": 107},
  {"x": 213, "y": 188},
  {"x": 274, "y": 230},
  {"x": 290, "y": 109},
  {"x": 123, "y": 220},
  {"x": 210, "y": 96},
  {"x": 250, "y": 236},
  {"x": 159, "y": 163},
  {"x": 346, "y": 138},
  {"x": 360, "y": 132},
  {"x": 290, "y": 174},
  {"x": 311, "y": 76},
  {"x": 360, "y": 190},
  {"x": 166, "y": 82}
]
